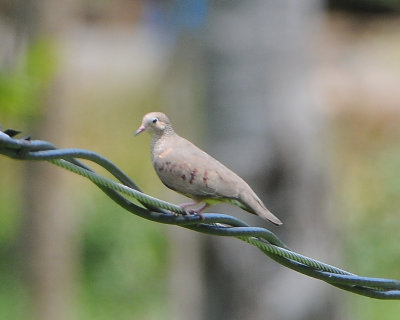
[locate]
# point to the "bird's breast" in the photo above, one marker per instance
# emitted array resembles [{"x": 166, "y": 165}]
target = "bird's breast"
[{"x": 165, "y": 153}]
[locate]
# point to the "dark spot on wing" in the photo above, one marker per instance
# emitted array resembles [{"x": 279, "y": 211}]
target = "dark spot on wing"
[
  {"x": 183, "y": 177},
  {"x": 192, "y": 175},
  {"x": 205, "y": 178},
  {"x": 160, "y": 168}
]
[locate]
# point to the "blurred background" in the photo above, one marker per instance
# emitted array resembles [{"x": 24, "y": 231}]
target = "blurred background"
[{"x": 300, "y": 98}]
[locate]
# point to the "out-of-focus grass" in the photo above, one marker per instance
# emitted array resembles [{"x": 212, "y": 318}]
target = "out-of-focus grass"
[
  {"x": 367, "y": 176},
  {"x": 14, "y": 298},
  {"x": 123, "y": 264}
]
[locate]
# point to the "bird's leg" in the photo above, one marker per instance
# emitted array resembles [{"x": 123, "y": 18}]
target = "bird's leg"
[
  {"x": 188, "y": 204},
  {"x": 194, "y": 211},
  {"x": 202, "y": 208}
]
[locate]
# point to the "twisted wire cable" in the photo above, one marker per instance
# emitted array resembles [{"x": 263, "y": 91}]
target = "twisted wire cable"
[{"x": 218, "y": 224}]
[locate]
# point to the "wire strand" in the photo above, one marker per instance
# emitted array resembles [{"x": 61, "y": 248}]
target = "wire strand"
[{"x": 218, "y": 224}]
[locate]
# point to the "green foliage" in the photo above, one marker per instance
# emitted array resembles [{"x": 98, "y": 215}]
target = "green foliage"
[
  {"x": 369, "y": 182},
  {"x": 14, "y": 298},
  {"x": 21, "y": 87},
  {"x": 9, "y": 205},
  {"x": 124, "y": 265}
]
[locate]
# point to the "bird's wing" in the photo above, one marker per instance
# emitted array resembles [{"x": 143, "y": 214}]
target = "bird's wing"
[{"x": 185, "y": 168}]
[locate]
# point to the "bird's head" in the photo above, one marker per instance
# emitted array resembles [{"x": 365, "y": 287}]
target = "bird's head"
[{"x": 155, "y": 123}]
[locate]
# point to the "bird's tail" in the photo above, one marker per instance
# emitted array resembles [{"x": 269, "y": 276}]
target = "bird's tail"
[{"x": 254, "y": 205}]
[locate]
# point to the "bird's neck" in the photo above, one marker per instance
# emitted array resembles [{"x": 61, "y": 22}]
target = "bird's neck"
[{"x": 159, "y": 138}]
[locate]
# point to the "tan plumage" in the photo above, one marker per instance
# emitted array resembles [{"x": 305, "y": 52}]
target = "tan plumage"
[{"x": 185, "y": 168}]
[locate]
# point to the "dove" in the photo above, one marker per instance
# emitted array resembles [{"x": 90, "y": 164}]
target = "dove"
[{"x": 188, "y": 170}]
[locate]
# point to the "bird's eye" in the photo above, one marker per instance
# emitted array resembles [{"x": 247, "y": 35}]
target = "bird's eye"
[{"x": 154, "y": 120}]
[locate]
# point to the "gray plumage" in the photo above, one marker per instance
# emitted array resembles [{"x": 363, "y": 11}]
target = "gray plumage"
[{"x": 186, "y": 169}]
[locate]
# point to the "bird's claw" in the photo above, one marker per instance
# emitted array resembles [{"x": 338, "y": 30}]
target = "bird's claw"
[{"x": 192, "y": 212}]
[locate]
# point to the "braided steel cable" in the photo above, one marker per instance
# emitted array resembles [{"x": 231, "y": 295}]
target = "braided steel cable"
[{"x": 218, "y": 224}]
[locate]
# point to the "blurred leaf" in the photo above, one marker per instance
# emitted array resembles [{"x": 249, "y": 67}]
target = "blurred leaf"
[{"x": 21, "y": 89}]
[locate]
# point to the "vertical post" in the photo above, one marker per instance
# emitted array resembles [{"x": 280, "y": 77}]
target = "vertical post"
[
  {"x": 49, "y": 233},
  {"x": 262, "y": 122}
]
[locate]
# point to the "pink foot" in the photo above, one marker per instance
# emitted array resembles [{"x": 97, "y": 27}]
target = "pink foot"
[{"x": 194, "y": 211}]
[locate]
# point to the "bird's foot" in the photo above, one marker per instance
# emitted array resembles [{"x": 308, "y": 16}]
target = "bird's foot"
[
  {"x": 192, "y": 212},
  {"x": 196, "y": 212}
]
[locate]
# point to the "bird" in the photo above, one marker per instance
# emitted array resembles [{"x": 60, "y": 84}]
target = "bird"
[{"x": 190, "y": 171}]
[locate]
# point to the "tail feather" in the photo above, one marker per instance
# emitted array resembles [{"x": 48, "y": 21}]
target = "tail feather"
[{"x": 256, "y": 206}]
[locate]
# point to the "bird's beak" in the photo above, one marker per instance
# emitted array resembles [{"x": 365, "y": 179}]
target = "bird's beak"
[{"x": 141, "y": 129}]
